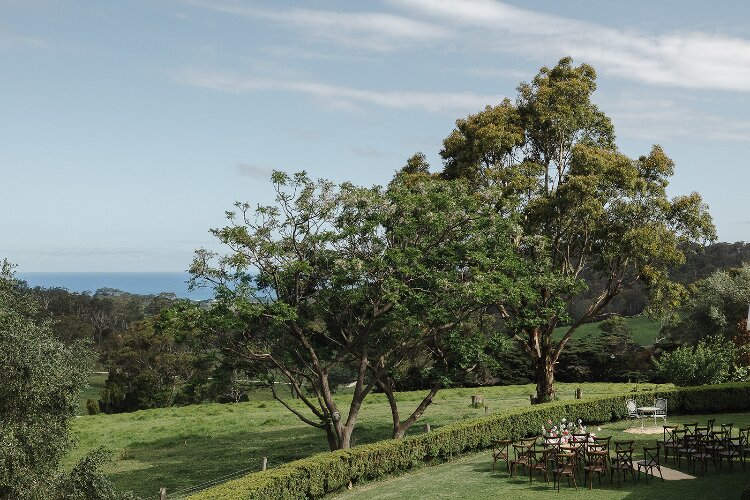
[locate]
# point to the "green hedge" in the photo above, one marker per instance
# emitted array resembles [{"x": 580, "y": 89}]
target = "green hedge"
[{"x": 324, "y": 473}]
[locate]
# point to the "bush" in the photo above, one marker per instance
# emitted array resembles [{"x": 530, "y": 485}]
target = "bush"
[
  {"x": 324, "y": 473},
  {"x": 710, "y": 362},
  {"x": 92, "y": 407},
  {"x": 86, "y": 481}
]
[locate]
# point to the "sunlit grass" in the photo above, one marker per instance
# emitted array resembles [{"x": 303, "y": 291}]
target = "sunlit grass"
[{"x": 181, "y": 447}]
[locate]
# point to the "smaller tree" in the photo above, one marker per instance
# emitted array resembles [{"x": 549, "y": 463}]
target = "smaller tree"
[
  {"x": 715, "y": 306},
  {"x": 712, "y": 361},
  {"x": 146, "y": 367}
]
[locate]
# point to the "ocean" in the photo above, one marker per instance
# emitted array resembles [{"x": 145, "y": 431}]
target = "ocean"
[{"x": 138, "y": 283}]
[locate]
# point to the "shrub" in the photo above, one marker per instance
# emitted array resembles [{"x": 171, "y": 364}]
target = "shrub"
[
  {"x": 709, "y": 362},
  {"x": 92, "y": 407},
  {"x": 324, "y": 473}
]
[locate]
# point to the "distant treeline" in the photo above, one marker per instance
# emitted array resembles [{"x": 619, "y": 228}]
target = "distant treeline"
[
  {"x": 98, "y": 316},
  {"x": 700, "y": 262}
]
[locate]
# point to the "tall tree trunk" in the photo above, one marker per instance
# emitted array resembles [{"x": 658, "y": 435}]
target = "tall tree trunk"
[{"x": 545, "y": 378}]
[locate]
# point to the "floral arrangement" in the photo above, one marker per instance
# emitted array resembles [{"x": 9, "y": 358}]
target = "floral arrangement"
[{"x": 565, "y": 430}]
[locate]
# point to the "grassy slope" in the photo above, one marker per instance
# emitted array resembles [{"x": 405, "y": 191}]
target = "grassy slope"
[
  {"x": 470, "y": 477},
  {"x": 644, "y": 330},
  {"x": 182, "y": 447}
]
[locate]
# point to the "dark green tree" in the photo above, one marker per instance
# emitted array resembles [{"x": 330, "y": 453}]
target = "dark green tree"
[
  {"x": 147, "y": 368},
  {"x": 336, "y": 277},
  {"x": 41, "y": 380}
]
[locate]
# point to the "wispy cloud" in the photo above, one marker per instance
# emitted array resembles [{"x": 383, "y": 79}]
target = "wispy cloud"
[
  {"x": 373, "y": 30},
  {"x": 10, "y": 41},
  {"x": 254, "y": 171},
  {"x": 660, "y": 118},
  {"x": 686, "y": 59},
  {"x": 340, "y": 96},
  {"x": 367, "y": 152}
]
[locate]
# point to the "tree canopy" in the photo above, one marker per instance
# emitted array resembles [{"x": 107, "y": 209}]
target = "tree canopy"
[
  {"x": 362, "y": 279},
  {"x": 584, "y": 207}
]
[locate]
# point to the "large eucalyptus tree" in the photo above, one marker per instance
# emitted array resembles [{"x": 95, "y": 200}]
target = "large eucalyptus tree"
[{"x": 583, "y": 205}]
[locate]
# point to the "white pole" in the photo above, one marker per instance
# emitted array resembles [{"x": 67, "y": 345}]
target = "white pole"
[{"x": 748, "y": 319}]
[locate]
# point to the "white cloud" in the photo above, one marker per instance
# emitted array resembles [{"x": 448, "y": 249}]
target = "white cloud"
[
  {"x": 341, "y": 96},
  {"x": 686, "y": 59},
  {"x": 372, "y": 30}
]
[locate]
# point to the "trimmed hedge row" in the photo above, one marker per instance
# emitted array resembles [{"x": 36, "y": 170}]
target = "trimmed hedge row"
[{"x": 324, "y": 473}]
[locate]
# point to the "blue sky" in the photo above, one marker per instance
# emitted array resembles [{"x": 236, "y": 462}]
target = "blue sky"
[{"x": 128, "y": 128}]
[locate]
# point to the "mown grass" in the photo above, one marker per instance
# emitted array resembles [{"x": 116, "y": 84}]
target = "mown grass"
[
  {"x": 182, "y": 447},
  {"x": 471, "y": 477},
  {"x": 644, "y": 330}
]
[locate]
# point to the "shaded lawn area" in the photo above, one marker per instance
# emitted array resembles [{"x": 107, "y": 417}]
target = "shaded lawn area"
[
  {"x": 186, "y": 446},
  {"x": 471, "y": 476}
]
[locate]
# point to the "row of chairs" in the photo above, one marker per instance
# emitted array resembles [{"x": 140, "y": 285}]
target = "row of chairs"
[
  {"x": 582, "y": 453},
  {"x": 704, "y": 444}
]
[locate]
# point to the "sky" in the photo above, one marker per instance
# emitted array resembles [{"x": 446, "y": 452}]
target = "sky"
[{"x": 129, "y": 128}]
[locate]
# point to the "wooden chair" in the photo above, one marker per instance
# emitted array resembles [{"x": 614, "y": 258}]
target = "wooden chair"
[
  {"x": 744, "y": 442},
  {"x": 597, "y": 462},
  {"x": 540, "y": 460},
  {"x": 501, "y": 451},
  {"x": 704, "y": 453},
  {"x": 522, "y": 457},
  {"x": 623, "y": 462},
  {"x": 650, "y": 462},
  {"x": 552, "y": 442},
  {"x": 710, "y": 424},
  {"x": 602, "y": 441},
  {"x": 731, "y": 449},
  {"x": 670, "y": 441},
  {"x": 687, "y": 446},
  {"x": 565, "y": 465},
  {"x": 717, "y": 444}
]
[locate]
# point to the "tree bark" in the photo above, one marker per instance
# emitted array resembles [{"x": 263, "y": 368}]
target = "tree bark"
[{"x": 545, "y": 378}]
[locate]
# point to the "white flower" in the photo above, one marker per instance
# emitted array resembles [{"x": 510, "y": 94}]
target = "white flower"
[
  {"x": 598, "y": 428},
  {"x": 579, "y": 421},
  {"x": 564, "y": 420}
]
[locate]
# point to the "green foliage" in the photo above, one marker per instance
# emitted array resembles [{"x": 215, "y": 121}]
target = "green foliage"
[
  {"x": 370, "y": 280},
  {"x": 328, "y": 472},
  {"x": 78, "y": 316},
  {"x": 711, "y": 361},
  {"x": 92, "y": 407},
  {"x": 40, "y": 382},
  {"x": 716, "y": 306},
  {"x": 586, "y": 210},
  {"x": 86, "y": 481},
  {"x": 146, "y": 368},
  {"x": 610, "y": 355}
]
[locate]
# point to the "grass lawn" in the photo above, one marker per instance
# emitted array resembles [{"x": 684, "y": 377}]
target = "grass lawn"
[
  {"x": 644, "y": 330},
  {"x": 183, "y": 447},
  {"x": 471, "y": 477}
]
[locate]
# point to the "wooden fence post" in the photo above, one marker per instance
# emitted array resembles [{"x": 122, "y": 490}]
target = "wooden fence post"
[
  {"x": 427, "y": 427},
  {"x": 264, "y": 463},
  {"x": 162, "y": 493},
  {"x": 579, "y": 393}
]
